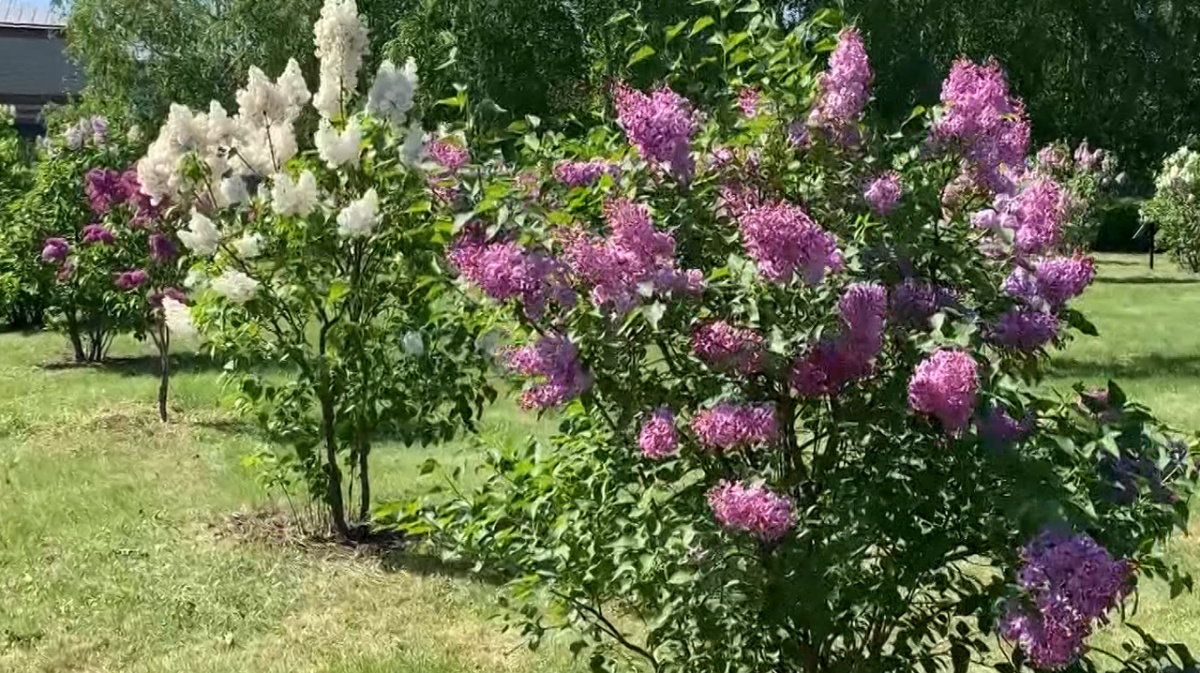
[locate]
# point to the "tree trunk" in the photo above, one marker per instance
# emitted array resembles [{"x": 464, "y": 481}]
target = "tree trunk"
[
  {"x": 333, "y": 481},
  {"x": 76, "y": 339},
  {"x": 364, "y": 479},
  {"x": 164, "y": 368}
]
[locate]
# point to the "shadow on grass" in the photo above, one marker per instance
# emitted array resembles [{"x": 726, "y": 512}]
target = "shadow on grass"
[
  {"x": 1123, "y": 262},
  {"x": 404, "y": 559},
  {"x": 1139, "y": 367},
  {"x": 144, "y": 365},
  {"x": 1147, "y": 280}
]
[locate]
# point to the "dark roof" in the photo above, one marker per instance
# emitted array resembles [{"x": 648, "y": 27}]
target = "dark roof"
[{"x": 13, "y": 13}]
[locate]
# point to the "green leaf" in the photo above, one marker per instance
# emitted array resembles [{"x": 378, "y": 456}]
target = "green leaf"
[
  {"x": 681, "y": 577},
  {"x": 700, "y": 24},
  {"x": 641, "y": 54},
  {"x": 673, "y": 31},
  {"x": 337, "y": 289}
]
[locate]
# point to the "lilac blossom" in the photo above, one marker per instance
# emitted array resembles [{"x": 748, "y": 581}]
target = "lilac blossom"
[
  {"x": 748, "y": 101},
  {"x": 724, "y": 346},
  {"x": 985, "y": 121},
  {"x": 55, "y": 250},
  {"x": 635, "y": 256},
  {"x": 131, "y": 280},
  {"x": 843, "y": 90},
  {"x": 660, "y": 125},
  {"x": 584, "y": 173},
  {"x": 735, "y": 426},
  {"x": 1024, "y": 329},
  {"x": 504, "y": 270},
  {"x": 658, "y": 437},
  {"x": 850, "y": 355},
  {"x": 751, "y": 509},
  {"x": 1070, "y": 582},
  {"x": 98, "y": 233},
  {"x": 883, "y": 194},
  {"x": 104, "y": 190},
  {"x": 945, "y": 386},
  {"x": 784, "y": 242},
  {"x": 998, "y": 429},
  {"x": 914, "y": 303},
  {"x": 162, "y": 248},
  {"x": 555, "y": 372}
]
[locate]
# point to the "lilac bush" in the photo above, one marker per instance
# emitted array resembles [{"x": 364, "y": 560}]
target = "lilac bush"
[{"x": 802, "y": 426}]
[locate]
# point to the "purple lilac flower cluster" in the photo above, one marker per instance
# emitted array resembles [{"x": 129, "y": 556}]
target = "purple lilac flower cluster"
[
  {"x": 730, "y": 348},
  {"x": 915, "y": 302},
  {"x": 748, "y": 101},
  {"x": 659, "y": 437},
  {"x": 843, "y": 90},
  {"x": 1053, "y": 282},
  {"x": 505, "y": 270},
  {"x": 1035, "y": 214},
  {"x": 55, "y": 250},
  {"x": 734, "y": 426},
  {"x": 998, "y": 428},
  {"x": 883, "y": 194},
  {"x": 836, "y": 361},
  {"x": 635, "y": 255},
  {"x": 660, "y": 125},
  {"x": 751, "y": 509},
  {"x": 1071, "y": 582},
  {"x": 784, "y": 242},
  {"x": 94, "y": 234},
  {"x": 107, "y": 189},
  {"x": 131, "y": 280},
  {"x": 1024, "y": 329},
  {"x": 584, "y": 173},
  {"x": 555, "y": 372},
  {"x": 945, "y": 386},
  {"x": 985, "y": 121}
]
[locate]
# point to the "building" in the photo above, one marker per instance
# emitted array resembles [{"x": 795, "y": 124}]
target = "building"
[{"x": 34, "y": 69}]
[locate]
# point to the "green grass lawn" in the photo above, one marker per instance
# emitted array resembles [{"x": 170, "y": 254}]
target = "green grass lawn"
[{"x": 117, "y": 552}]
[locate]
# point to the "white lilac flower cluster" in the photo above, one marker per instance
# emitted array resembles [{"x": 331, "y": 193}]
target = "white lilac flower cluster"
[
  {"x": 178, "y": 318},
  {"x": 1180, "y": 175}
]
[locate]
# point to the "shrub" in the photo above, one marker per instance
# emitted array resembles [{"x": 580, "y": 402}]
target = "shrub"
[
  {"x": 319, "y": 274},
  {"x": 796, "y": 352},
  {"x": 1175, "y": 209}
]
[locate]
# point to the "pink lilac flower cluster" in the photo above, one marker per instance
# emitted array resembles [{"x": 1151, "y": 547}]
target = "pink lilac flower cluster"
[
  {"x": 883, "y": 194},
  {"x": 985, "y": 121},
  {"x": 55, "y": 250},
  {"x": 659, "y": 437},
  {"x": 635, "y": 256},
  {"x": 726, "y": 347},
  {"x": 660, "y": 125},
  {"x": 734, "y": 426},
  {"x": 1070, "y": 582},
  {"x": 751, "y": 509},
  {"x": 131, "y": 280},
  {"x": 505, "y": 270},
  {"x": 1087, "y": 159},
  {"x": 1024, "y": 329},
  {"x": 748, "y": 101},
  {"x": 784, "y": 242},
  {"x": 98, "y": 234},
  {"x": 945, "y": 386},
  {"x": 555, "y": 371},
  {"x": 1053, "y": 282},
  {"x": 843, "y": 90},
  {"x": 449, "y": 155},
  {"x": 915, "y": 302},
  {"x": 836, "y": 361},
  {"x": 584, "y": 173},
  {"x": 1036, "y": 215},
  {"x": 999, "y": 429}
]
